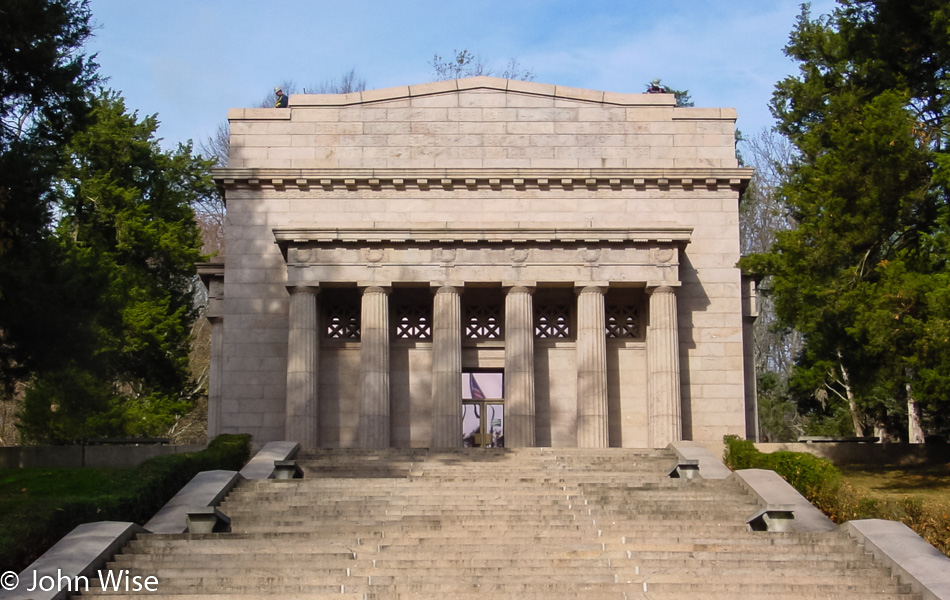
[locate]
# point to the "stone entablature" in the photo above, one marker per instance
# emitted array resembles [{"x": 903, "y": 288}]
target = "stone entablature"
[
  {"x": 383, "y": 244},
  {"x": 498, "y": 179},
  {"x": 513, "y": 256}
]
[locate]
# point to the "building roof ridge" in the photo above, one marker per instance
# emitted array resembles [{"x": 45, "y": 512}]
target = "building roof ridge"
[{"x": 497, "y": 84}]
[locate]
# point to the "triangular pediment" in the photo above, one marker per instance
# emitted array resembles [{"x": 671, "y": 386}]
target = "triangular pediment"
[{"x": 484, "y": 85}]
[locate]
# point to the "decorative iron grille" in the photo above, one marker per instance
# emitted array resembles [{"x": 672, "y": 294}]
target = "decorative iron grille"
[
  {"x": 552, "y": 321},
  {"x": 622, "y": 321},
  {"x": 413, "y": 322},
  {"x": 483, "y": 322},
  {"x": 343, "y": 322}
]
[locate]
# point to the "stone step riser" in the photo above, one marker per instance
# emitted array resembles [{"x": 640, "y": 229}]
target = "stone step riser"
[
  {"x": 167, "y": 566},
  {"x": 546, "y": 514},
  {"x": 408, "y": 589},
  {"x": 489, "y": 577},
  {"x": 522, "y": 595},
  {"x": 437, "y": 497}
]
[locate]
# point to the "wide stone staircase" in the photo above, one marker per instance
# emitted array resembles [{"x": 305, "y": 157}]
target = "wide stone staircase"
[{"x": 527, "y": 524}]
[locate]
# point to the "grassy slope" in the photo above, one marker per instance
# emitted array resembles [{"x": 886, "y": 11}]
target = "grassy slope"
[
  {"x": 929, "y": 482},
  {"x": 918, "y": 496},
  {"x": 26, "y": 493}
]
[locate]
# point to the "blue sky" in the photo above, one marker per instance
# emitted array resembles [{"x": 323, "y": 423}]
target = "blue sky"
[{"x": 191, "y": 60}]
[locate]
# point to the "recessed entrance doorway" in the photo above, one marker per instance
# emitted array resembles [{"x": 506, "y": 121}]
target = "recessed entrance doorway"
[{"x": 483, "y": 409}]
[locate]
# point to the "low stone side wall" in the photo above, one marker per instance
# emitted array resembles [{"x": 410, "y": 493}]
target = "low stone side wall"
[
  {"x": 846, "y": 453},
  {"x": 71, "y": 563},
  {"x": 101, "y": 457}
]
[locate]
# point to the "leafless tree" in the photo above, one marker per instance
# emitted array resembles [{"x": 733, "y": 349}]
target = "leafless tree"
[
  {"x": 762, "y": 215},
  {"x": 210, "y": 211},
  {"x": 467, "y": 64},
  {"x": 347, "y": 83}
]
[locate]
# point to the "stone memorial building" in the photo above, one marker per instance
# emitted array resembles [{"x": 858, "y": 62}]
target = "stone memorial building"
[{"x": 482, "y": 262}]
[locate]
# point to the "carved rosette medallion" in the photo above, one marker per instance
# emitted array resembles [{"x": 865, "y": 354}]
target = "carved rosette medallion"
[
  {"x": 590, "y": 255},
  {"x": 372, "y": 255},
  {"x": 662, "y": 255},
  {"x": 444, "y": 255},
  {"x": 519, "y": 255},
  {"x": 299, "y": 255}
]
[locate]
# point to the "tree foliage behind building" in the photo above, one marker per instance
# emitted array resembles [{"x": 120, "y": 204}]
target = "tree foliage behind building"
[
  {"x": 44, "y": 78},
  {"x": 127, "y": 244},
  {"x": 864, "y": 273},
  {"x": 97, "y": 236},
  {"x": 463, "y": 63}
]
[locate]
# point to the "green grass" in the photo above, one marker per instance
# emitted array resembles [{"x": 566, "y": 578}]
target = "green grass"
[
  {"x": 918, "y": 496},
  {"x": 929, "y": 482},
  {"x": 39, "y": 506},
  {"x": 24, "y": 484},
  {"x": 25, "y": 490},
  {"x": 29, "y": 496}
]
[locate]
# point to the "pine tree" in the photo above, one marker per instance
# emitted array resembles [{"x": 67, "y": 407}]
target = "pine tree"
[
  {"x": 44, "y": 80},
  {"x": 864, "y": 274},
  {"x": 128, "y": 241}
]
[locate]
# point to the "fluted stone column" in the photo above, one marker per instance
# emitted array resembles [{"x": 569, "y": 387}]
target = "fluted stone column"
[
  {"x": 215, "y": 378},
  {"x": 591, "y": 369},
  {"x": 374, "y": 369},
  {"x": 447, "y": 369},
  {"x": 664, "y": 411},
  {"x": 519, "y": 368},
  {"x": 303, "y": 347}
]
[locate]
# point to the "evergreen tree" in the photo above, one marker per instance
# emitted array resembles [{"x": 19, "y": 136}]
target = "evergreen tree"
[
  {"x": 128, "y": 242},
  {"x": 864, "y": 274},
  {"x": 44, "y": 79},
  {"x": 683, "y": 97}
]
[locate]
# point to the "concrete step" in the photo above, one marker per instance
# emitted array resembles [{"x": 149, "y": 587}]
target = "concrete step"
[{"x": 527, "y": 524}]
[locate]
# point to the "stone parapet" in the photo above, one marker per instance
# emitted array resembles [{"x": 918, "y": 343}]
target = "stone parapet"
[
  {"x": 908, "y": 555},
  {"x": 483, "y": 122},
  {"x": 70, "y": 565},
  {"x": 261, "y": 465},
  {"x": 771, "y": 490},
  {"x": 207, "y": 488}
]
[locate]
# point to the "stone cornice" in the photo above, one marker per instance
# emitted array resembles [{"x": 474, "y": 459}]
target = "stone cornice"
[
  {"x": 482, "y": 235},
  {"x": 210, "y": 270},
  {"x": 529, "y": 88},
  {"x": 425, "y": 179}
]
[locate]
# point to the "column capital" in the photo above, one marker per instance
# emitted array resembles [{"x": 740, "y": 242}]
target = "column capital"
[
  {"x": 448, "y": 289},
  {"x": 593, "y": 289},
  {"x": 377, "y": 289},
  {"x": 662, "y": 288},
  {"x": 303, "y": 289},
  {"x": 521, "y": 289},
  {"x": 513, "y": 283}
]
